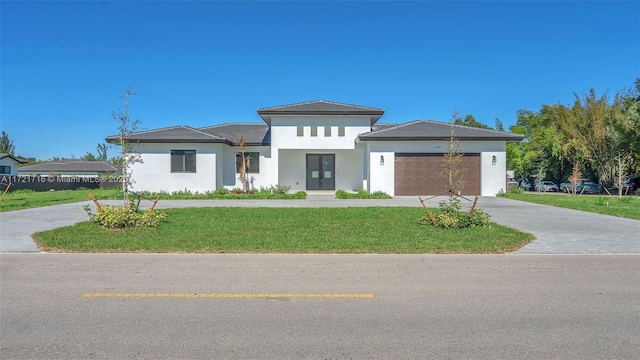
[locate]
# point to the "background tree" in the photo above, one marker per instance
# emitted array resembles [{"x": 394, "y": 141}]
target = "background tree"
[
  {"x": 89, "y": 157},
  {"x": 6, "y": 145},
  {"x": 469, "y": 120},
  {"x": 102, "y": 151},
  {"x": 129, "y": 156}
]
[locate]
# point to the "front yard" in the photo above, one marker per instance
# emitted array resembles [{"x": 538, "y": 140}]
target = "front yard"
[
  {"x": 626, "y": 207},
  {"x": 383, "y": 230}
]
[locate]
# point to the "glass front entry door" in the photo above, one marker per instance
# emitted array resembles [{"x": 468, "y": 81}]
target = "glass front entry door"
[{"x": 321, "y": 171}]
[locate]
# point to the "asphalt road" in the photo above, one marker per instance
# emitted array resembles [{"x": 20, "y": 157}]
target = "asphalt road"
[{"x": 423, "y": 306}]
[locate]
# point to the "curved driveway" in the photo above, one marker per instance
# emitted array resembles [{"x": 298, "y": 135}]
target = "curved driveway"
[{"x": 557, "y": 230}]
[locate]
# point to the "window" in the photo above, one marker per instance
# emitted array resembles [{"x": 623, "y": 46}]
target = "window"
[
  {"x": 327, "y": 131},
  {"x": 253, "y": 158},
  {"x": 183, "y": 161},
  {"x": 314, "y": 131},
  {"x": 340, "y": 130},
  {"x": 300, "y": 130},
  {"x": 5, "y": 169}
]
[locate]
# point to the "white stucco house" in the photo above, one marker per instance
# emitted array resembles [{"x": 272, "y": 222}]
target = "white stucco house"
[
  {"x": 320, "y": 145},
  {"x": 9, "y": 164}
]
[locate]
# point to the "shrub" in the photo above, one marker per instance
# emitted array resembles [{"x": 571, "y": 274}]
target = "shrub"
[
  {"x": 451, "y": 216},
  {"x": 118, "y": 217},
  {"x": 362, "y": 194}
]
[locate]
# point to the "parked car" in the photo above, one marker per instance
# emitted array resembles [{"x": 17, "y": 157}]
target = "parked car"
[
  {"x": 525, "y": 184},
  {"x": 566, "y": 186},
  {"x": 546, "y": 186},
  {"x": 588, "y": 187},
  {"x": 628, "y": 187}
]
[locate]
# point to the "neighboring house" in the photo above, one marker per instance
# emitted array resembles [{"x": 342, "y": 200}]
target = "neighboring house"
[
  {"x": 70, "y": 167},
  {"x": 9, "y": 164},
  {"x": 320, "y": 145}
]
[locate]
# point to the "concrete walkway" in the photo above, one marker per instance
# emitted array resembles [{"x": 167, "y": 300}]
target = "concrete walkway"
[{"x": 558, "y": 231}]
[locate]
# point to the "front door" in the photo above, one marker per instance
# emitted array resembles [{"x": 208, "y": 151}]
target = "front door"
[{"x": 321, "y": 171}]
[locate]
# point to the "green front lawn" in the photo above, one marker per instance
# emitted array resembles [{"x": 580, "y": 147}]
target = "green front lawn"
[
  {"x": 286, "y": 230},
  {"x": 626, "y": 207},
  {"x": 20, "y": 199}
]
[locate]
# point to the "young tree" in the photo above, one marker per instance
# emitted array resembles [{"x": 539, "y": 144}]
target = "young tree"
[
  {"x": 245, "y": 163},
  {"x": 6, "y": 145},
  {"x": 575, "y": 176},
  {"x": 452, "y": 162},
  {"x": 126, "y": 126}
]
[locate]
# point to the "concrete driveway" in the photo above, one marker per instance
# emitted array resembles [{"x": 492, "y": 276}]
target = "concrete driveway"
[{"x": 558, "y": 231}]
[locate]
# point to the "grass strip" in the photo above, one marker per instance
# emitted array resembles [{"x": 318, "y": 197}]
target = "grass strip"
[
  {"x": 381, "y": 230},
  {"x": 625, "y": 207}
]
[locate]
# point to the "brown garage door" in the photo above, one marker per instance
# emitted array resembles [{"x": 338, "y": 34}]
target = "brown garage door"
[{"x": 421, "y": 174}]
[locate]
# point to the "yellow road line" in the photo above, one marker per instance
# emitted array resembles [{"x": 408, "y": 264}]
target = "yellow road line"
[{"x": 230, "y": 296}]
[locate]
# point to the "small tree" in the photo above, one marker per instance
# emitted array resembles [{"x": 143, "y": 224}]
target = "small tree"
[
  {"x": 620, "y": 171},
  {"x": 245, "y": 163},
  {"x": 451, "y": 164},
  {"x": 540, "y": 176},
  {"x": 576, "y": 175},
  {"x": 6, "y": 145},
  {"x": 126, "y": 126}
]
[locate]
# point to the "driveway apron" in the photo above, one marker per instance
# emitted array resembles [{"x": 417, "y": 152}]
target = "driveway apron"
[{"x": 557, "y": 230}]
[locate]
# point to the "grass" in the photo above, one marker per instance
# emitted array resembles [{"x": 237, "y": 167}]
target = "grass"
[
  {"x": 626, "y": 207},
  {"x": 26, "y": 199},
  {"x": 385, "y": 230}
]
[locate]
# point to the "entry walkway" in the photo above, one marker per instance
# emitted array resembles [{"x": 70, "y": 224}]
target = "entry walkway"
[{"x": 557, "y": 230}]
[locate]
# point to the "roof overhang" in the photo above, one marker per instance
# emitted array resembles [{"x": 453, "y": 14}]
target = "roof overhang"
[{"x": 267, "y": 114}]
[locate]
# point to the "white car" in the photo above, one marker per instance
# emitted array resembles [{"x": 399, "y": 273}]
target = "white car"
[{"x": 546, "y": 186}]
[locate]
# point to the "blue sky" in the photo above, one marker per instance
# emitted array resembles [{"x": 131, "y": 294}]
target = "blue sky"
[{"x": 65, "y": 64}]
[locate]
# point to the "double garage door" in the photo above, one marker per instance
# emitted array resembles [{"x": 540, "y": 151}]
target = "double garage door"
[{"x": 422, "y": 174}]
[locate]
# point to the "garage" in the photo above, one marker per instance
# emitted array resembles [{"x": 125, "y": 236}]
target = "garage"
[{"x": 421, "y": 174}]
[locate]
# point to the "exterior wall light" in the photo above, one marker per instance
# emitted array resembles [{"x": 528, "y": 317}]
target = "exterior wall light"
[
  {"x": 494, "y": 160},
  {"x": 381, "y": 159}
]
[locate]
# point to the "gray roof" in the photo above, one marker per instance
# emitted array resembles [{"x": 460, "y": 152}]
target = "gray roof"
[
  {"x": 70, "y": 165},
  {"x": 18, "y": 160},
  {"x": 173, "y": 134},
  {"x": 253, "y": 134},
  {"x": 434, "y": 130},
  {"x": 320, "y": 107}
]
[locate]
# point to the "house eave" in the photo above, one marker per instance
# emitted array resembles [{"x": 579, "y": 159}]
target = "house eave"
[
  {"x": 435, "y": 138},
  {"x": 266, "y": 114}
]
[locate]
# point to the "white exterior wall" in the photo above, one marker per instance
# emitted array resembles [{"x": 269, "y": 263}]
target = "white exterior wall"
[
  {"x": 492, "y": 177},
  {"x": 291, "y": 170},
  {"x": 230, "y": 177},
  {"x": 12, "y": 164},
  {"x": 155, "y": 175},
  {"x": 348, "y": 172}
]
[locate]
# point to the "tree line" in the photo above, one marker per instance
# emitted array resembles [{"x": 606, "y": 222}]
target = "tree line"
[{"x": 598, "y": 134}]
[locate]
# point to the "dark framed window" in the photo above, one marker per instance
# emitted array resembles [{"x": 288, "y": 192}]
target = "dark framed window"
[
  {"x": 5, "y": 169},
  {"x": 340, "y": 130},
  {"x": 254, "y": 162},
  {"x": 327, "y": 131},
  {"x": 183, "y": 161},
  {"x": 300, "y": 130},
  {"x": 314, "y": 131}
]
